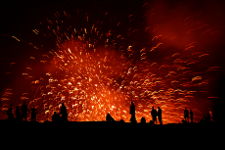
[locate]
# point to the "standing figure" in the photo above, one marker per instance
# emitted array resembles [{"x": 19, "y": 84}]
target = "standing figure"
[
  {"x": 154, "y": 115},
  {"x": 18, "y": 114},
  {"x": 132, "y": 112},
  {"x": 9, "y": 113},
  {"x": 33, "y": 115},
  {"x": 160, "y": 115},
  {"x": 24, "y": 112},
  {"x": 191, "y": 116},
  {"x": 186, "y": 115},
  {"x": 63, "y": 113}
]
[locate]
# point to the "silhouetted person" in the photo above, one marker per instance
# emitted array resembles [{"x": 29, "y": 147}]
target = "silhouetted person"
[
  {"x": 33, "y": 115},
  {"x": 109, "y": 118},
  {"x": 208, "y": 117},
  {"x": 186, "y": 115},
  {"x": 191, "y": 116},
  {"x": 18, "y": 113},
  {"x": 160, "y": 115},
  {"x": 143, "y": 120},
  {"x": 24, "y": 110},
  {"x": 63, "y": 113},
  {"x": 55, "y": 117},
  {"x": 154, "y": 115},
  {"x": 9, "y": 113},
  {"x": 211, "y": 115},
  {"x": 132, "y": 108},
  {"x": 132, "y": 112}
]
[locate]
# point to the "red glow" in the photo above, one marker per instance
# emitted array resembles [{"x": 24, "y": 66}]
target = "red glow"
[{"x": 187, "y": 21}]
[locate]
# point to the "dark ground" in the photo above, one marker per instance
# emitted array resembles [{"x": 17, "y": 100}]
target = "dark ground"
[
  {"x": 107, "y": 135},
  {"x": 107, "y": 125}
]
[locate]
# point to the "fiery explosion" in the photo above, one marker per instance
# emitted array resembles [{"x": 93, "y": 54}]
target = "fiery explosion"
[
  {"x": 86, "y": 81},
  {"x": 95, "y": 71}
]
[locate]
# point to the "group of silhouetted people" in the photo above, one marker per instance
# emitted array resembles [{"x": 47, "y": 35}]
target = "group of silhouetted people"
[
  {"x": 156, "y": 114},
  {"x": 62, "y": 116},
  {"x": 21, "y": 113},
  {"x": 188, "y": 116}
]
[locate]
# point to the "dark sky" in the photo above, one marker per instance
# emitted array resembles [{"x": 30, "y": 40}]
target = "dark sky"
[{"x": 18, "y": 15}]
